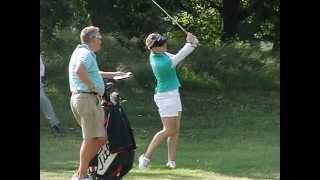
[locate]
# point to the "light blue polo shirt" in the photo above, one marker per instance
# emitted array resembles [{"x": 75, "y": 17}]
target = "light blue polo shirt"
[
  {"x": 164, "y": 72},
  {"x": 82, "y": 54}
]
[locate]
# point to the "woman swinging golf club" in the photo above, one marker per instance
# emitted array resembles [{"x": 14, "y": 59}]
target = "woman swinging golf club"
[{"x": 166, "y": 97}]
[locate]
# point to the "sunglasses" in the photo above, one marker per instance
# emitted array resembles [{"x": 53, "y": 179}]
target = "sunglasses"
[{"x": 97, "y": 36}]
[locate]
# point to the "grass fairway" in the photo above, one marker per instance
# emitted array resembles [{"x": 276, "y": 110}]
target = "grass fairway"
[
  {"x": 224, "y": 136},
  {"x": 156, "y": 174},
  {"x": 223, "y": 159}
]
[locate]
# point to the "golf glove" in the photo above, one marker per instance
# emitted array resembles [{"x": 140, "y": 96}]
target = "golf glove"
[{"x": 192, "y": 39}]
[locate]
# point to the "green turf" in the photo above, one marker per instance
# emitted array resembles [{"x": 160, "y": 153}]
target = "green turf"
[{"x": 224, "y": 135}]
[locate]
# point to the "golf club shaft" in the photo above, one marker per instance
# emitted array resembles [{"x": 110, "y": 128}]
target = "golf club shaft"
[{"x": 170, "y": 16}]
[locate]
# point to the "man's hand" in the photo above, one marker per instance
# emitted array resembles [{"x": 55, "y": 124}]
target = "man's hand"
[
  {"x": 129, "y": 74},
  {"x": 94, "y": 89}
]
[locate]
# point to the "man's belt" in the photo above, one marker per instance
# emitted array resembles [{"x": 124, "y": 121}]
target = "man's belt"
[{"x": 79, "y": 92}]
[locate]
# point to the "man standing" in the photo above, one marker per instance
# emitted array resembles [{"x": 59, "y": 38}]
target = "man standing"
[
  {"x": 46, "y": 106},
  {"x": 87, "y": 87}
]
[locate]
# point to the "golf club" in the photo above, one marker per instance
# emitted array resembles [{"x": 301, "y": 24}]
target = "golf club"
[{"x": 174, "y": 21}]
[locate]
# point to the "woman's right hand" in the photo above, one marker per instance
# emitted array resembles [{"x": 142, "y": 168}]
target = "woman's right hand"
[{"x": 192, "y": 39}]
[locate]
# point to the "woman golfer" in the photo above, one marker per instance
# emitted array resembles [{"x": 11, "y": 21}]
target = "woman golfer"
[{"x": 166, "y": 97}]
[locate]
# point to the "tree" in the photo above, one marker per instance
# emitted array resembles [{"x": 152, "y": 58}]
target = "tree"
[
  {"x": 230, "y": 18},
  {"x": 210, "y": 20},
  {"x": 130, "y": 17},
  {"x": 56, "y": 15},
  {"x": 53, "y": 14}
]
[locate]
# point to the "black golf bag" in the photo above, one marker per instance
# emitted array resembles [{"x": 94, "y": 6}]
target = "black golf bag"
[{"x": 115, "y": 159}]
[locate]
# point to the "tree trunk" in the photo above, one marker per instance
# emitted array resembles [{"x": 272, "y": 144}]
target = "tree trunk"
[
  {"x": 98, "y": 9},
  {"x": 230, "y": 18}
]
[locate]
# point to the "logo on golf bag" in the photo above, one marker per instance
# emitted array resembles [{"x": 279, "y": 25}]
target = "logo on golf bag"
[{"x": 105, "y": 159}]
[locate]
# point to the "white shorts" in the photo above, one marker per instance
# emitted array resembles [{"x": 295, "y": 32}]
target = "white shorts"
[{"x": 169, "y": 103}]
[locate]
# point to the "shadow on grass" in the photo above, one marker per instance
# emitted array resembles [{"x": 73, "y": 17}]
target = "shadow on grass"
[
  {"x": 158, "y": 175},
  {"x": 151, "y": 174}
]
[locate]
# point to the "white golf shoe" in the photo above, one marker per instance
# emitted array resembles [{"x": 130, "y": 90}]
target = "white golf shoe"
[
  {"x": 76, "y": 177},
  {"x": 84, "y": 178},
  {"x": 143, "y": 162},
  {"x": 171, "y": 164}
]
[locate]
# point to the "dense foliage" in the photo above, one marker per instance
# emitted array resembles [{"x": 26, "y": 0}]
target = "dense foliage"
[
  {"x": 234, "y": 35},
  {"x": 212, "y": 21}
]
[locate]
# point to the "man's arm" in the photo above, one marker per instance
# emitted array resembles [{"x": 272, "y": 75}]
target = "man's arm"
[
  {"x": 110, "y": 75},
  {"x": 84, "y": 77}
]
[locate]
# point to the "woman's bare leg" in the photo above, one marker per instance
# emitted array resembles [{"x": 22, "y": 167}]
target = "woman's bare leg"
[
  {"x": 172, "y": 141},
  {"x": 169, "y": 128}
]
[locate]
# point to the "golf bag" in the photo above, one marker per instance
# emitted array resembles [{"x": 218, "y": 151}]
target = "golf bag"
[{"x": 115, "y": 159}]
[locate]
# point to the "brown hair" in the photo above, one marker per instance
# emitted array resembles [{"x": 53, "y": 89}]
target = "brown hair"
[{"x": 151, "y": 39}]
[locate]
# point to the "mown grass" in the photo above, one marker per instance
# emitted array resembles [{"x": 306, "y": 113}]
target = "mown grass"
[
  {"x": 203, "y": 152},
  {"x": 233, "y": 134}
]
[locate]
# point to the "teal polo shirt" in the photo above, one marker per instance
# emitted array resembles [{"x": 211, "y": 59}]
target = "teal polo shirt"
[{"x": 164, "y": 72}]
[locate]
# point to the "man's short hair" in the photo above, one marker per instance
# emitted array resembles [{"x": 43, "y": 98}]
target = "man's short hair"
[{"x": 88, "y": 33}]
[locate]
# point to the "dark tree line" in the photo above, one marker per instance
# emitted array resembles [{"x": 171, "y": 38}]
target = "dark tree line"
[{"x": 212, "y": 20}]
